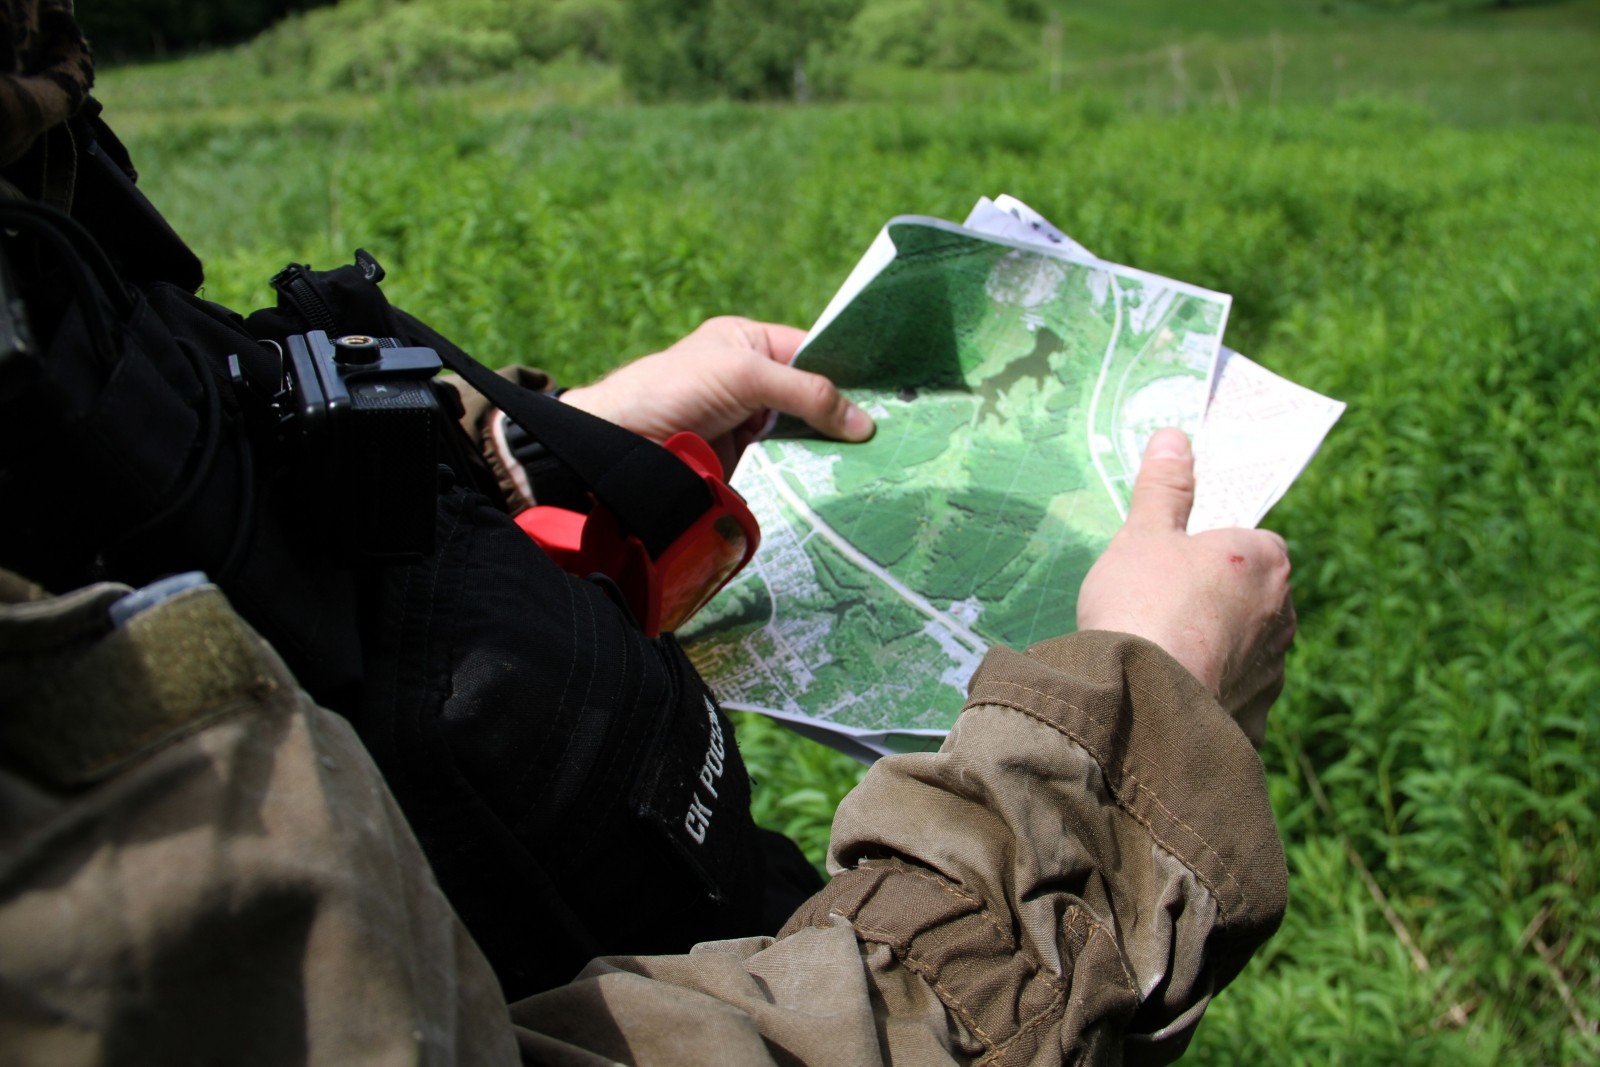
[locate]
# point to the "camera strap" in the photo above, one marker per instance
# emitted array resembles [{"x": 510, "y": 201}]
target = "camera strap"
[{"x": 655, "y": 495}]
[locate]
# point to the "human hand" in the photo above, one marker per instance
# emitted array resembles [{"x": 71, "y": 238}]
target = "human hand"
[
  {"x": 1218, "y": 602},
  {"x": 721, "y": 382}
]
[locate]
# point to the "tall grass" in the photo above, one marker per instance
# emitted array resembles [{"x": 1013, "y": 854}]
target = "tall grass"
[{"x": 1433, "y": 760}]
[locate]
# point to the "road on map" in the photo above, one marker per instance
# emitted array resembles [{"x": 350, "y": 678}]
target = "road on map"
[{"x": 860, "y": 559}]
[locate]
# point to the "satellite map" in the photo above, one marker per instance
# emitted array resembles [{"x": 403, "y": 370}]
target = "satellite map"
[{"x": 1014, "y": 388}]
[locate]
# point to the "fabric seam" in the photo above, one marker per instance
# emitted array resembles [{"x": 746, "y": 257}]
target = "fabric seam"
[
  {"x": 1122, "y": 802},
  {"x": 904, "y": 951}
]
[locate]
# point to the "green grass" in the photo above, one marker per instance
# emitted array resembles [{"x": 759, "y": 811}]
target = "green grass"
[{"x": 1405, "y": 210}]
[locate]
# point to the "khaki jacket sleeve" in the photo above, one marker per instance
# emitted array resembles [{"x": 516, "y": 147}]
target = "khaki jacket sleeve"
[{"x": 1086, "y": 861}]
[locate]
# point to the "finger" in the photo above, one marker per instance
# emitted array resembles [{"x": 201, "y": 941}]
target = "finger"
[
  {"x": 774, "y": 340},
  {"x": 778, "y": 342},
  {"x": 809, "y": 396},
  {"x": 1163, "y": 494}
]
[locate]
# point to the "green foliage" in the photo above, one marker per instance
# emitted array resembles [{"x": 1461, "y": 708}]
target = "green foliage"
[
  {"x": 387, "y": 44},
  {"x": 942, "y": 34},
  {"x": 742, "y": 49},
  {"x": 1407, "y": 229},
  {"x": 663, "y": 54},
  {"x": 798, "y": 784}
]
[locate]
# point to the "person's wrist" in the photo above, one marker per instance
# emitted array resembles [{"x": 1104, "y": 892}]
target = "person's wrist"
[
  {"x": 1177, "y": 642},
  {"x": 1101, "y": 646},
  {"x": 592, "y": 399},
  {"x": 577, "y": 396}
]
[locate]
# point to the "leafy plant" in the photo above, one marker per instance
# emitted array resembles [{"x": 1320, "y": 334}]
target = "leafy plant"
[
  {"x": 389, "y": 44},
  {"x": 943, "y": 34},
  {"x": 743, "y": 49}
]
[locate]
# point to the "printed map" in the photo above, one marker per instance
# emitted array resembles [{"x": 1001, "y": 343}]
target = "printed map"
[{"x": 1014, "y": 388}]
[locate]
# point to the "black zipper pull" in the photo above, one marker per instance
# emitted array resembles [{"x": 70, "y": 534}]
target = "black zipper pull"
[{"x": 294, "y": 284}]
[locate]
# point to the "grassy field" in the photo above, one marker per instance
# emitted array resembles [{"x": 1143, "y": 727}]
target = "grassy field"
[{"x": 1404, "y": 207}]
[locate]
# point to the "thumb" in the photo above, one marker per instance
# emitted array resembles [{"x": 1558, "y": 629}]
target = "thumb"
[
  {"x": 810, "y": 396},
  {"x": 1163, "y": 494}
]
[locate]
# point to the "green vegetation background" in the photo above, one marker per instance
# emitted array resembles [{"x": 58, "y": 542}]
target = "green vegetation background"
[{"x": 1402, "y": 200}]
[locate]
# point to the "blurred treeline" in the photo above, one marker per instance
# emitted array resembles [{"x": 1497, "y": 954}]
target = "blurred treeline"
[
  {"x": 699, "y": 49},
  {"x": 127, "y": 29},
  {"x": 666, "y": 48}
]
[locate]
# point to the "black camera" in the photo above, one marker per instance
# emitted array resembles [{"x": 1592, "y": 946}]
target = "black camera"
[{"x": 367, "y": 426}]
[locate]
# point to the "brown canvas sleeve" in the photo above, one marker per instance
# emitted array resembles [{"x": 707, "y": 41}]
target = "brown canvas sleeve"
[
  {"x": 1086, "y": 861},
  {"x": 1102, "y": 816}
]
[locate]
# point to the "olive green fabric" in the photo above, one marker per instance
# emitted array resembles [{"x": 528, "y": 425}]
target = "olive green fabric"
[
  {"x": 199, "y": 865},
  {"x": 219, "y": 875}
]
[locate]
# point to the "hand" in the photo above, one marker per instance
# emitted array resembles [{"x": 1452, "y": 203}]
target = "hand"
[
  {"x": 1218, "y": 602},
  {"x": 721, "y": 382}
]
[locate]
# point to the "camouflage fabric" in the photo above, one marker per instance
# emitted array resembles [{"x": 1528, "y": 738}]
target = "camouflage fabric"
[{"x": 46, "y": 71}]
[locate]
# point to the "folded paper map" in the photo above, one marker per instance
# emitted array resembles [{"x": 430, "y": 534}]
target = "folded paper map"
[{"x": 1015, "y": 378}]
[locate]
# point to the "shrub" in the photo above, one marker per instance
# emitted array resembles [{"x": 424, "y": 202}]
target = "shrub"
[
  {"x": 944, "y": 34},
  {"x": 743, "y": 49},
  {"x": 369, "y": 44}
]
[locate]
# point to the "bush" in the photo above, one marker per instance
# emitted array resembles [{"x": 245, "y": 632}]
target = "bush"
[
  {"x": 370, "y": 44},
  {"x": 741, "y": 49},
  {"x": 411, "y": 46},
  {"x": 662, "y": 50},
  {"x": 944, "y": 34}
]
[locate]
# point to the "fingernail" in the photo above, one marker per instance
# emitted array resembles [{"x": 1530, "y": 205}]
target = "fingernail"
[
  {"x": 1168, "y": 444},
  {"x": 858, "y": 424}
]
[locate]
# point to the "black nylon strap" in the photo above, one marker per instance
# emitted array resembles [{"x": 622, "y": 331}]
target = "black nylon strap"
[{"x": 655, "y": 495}]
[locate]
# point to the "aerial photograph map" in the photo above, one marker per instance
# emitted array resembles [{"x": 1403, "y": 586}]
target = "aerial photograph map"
[{"x": 1014, "y": 388}]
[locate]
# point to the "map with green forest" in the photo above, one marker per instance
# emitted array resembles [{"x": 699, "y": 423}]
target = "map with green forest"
[{"x": 1014, "y": 388}]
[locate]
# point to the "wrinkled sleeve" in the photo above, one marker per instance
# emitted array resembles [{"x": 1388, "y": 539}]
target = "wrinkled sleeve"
[
  {"x": 195, "y": 861},
  {"x": 1086, "y": 861}
]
